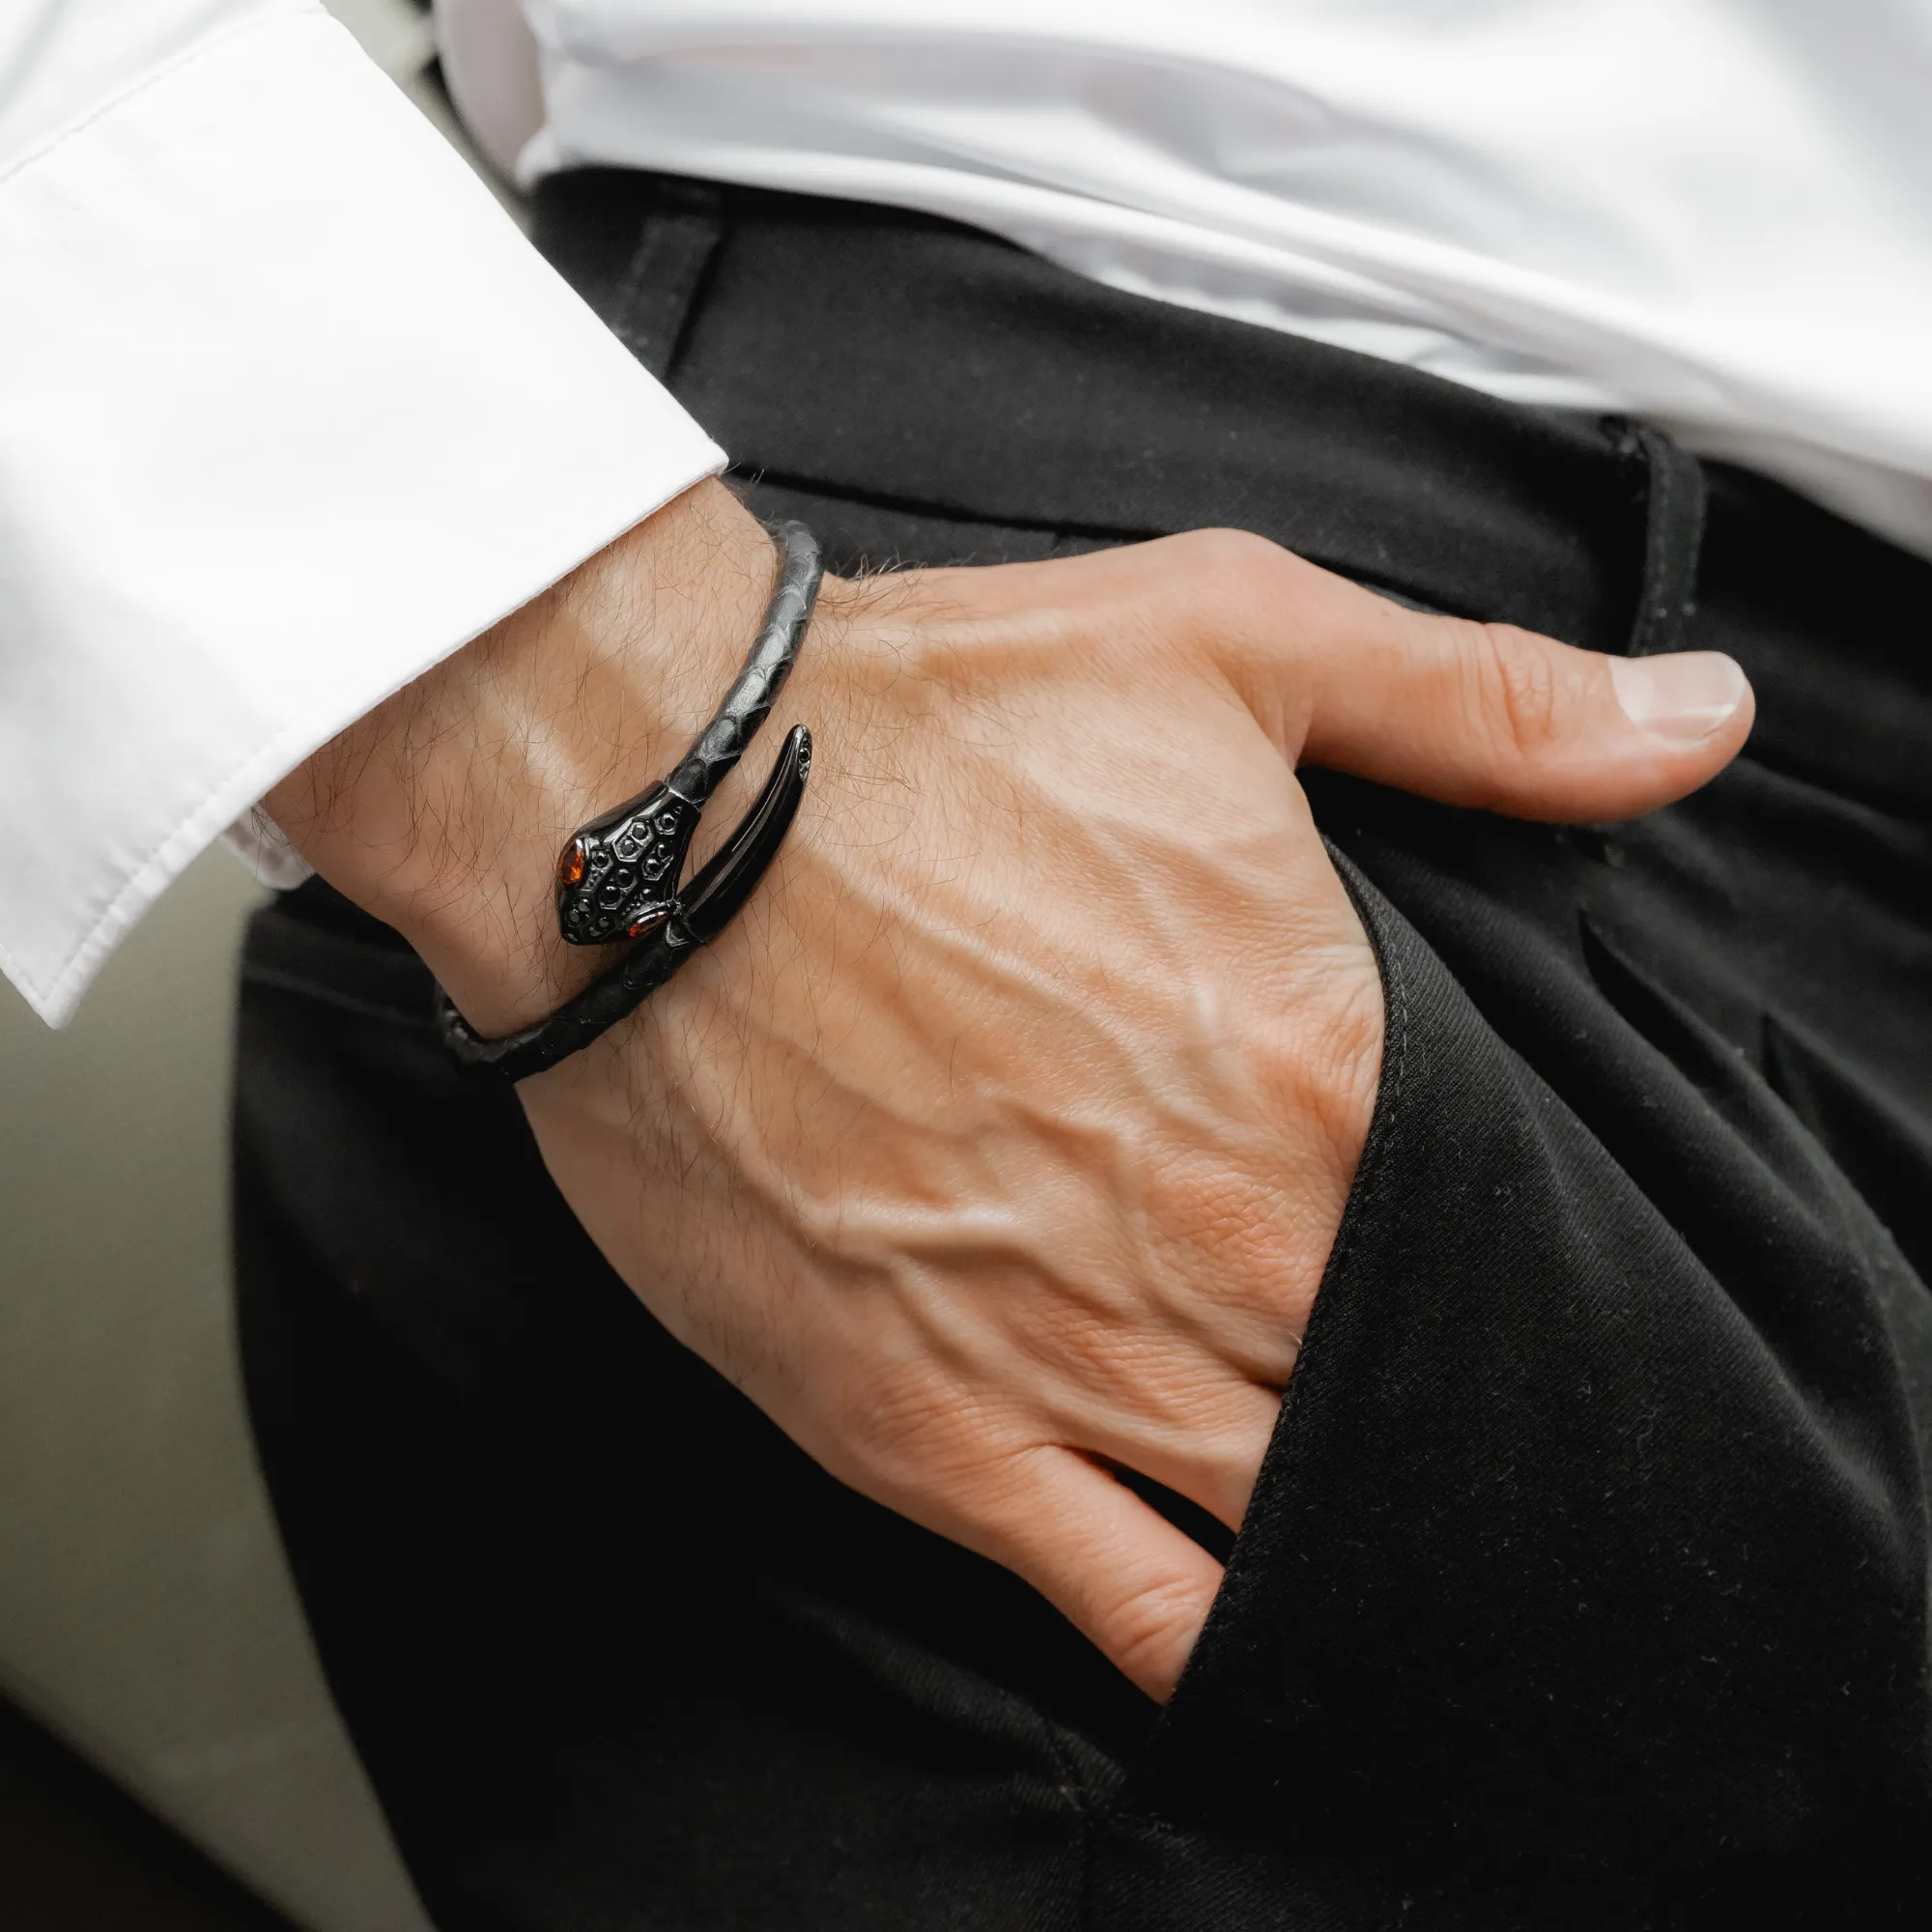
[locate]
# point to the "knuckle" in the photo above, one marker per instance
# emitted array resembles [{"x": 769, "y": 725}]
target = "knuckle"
[
  {"x": 1226, "y": 571},
  {"x": 1150, "y": 1632},
  {"x": 1516, "y": 694},
  {"x": 1217, "y": 550}
]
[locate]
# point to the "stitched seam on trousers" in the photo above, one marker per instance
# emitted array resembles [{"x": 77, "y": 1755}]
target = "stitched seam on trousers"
[
  {"x": 655, "y": 299},
  {"x": 1073, "y": 1782},
  {"x": 1367, "y": 1171},
  {"x": 1658, "y": 621},
  {"x": 1673, "y": 536},
  {"x": 1388, "y": 1101}
]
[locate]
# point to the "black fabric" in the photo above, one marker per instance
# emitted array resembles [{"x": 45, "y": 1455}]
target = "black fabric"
[{"x": 1586, "y": 1581}]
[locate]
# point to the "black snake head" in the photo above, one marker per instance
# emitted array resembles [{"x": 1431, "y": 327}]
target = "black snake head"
[{"x": 621, "y": 872}]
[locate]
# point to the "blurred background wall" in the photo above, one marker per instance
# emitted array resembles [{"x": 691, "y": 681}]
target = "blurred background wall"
[{"x": 146, "y": 1616}]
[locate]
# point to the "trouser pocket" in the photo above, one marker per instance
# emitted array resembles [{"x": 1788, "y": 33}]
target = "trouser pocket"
[{"x": 1587, "y": 1565}]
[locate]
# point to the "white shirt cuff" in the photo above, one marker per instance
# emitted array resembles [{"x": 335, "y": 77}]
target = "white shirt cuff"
[{"x": 289, "y": 411}]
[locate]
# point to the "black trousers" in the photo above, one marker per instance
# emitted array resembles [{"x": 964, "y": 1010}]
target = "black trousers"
[{"x": 1586, "y": 1581}]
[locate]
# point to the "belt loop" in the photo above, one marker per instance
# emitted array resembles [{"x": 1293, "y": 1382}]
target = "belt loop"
[
  {"x": 683, "y": 222},
  {"x": 1673, "y": 535}
]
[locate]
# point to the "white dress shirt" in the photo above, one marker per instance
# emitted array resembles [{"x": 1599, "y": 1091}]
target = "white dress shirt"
[
  {"x": 289, "y": 410},
  {"x": 1715, "y": 214}
]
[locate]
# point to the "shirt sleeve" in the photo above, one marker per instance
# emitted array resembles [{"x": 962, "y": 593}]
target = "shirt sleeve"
[{"x": 289, "y": 411}]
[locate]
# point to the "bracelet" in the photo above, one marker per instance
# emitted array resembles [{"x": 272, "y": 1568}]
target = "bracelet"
[{"x": 617, "y": 877}]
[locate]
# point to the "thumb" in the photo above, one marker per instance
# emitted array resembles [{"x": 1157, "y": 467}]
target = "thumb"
[{"x": 1487, "y": 715}]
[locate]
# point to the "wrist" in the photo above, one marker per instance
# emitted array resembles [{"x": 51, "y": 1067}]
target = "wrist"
[{"x": 444, "y": 810}]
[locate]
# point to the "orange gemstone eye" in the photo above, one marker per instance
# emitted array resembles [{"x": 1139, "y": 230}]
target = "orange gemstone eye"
[{"x": 570, "y": 867}]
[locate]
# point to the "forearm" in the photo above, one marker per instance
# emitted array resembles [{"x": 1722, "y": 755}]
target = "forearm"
[{"x": 444, "y": 810}]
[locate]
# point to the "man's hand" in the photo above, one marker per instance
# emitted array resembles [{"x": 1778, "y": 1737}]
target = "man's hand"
[{"x": 1003, "y": 1140}]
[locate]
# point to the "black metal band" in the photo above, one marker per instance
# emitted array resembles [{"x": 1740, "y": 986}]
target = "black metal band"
[
  {"x": 619, "y": 872},
  {"x": 618, "y": 876}
]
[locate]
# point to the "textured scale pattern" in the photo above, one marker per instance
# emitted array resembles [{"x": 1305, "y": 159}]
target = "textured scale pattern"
[
  {"x": 621, "y": 871},
  {"x": 624, "y": 867}
]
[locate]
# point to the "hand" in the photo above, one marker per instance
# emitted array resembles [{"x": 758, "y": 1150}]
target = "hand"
[{"x": 1003, "y": 1139}]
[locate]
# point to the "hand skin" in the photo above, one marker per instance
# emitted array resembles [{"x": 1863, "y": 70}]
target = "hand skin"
[{"x": 1005, "y": 1135}]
